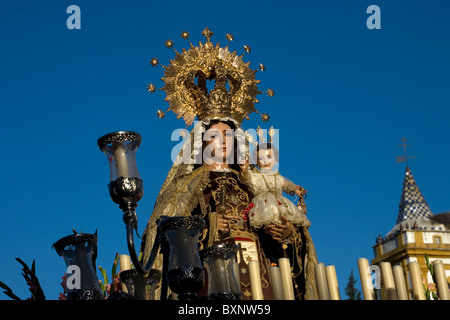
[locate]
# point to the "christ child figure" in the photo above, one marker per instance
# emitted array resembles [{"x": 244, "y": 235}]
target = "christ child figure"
[{"x": 269, "y": 206}]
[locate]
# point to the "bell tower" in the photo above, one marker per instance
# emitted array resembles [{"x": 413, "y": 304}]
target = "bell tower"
[{"x": 417, "y": 232}]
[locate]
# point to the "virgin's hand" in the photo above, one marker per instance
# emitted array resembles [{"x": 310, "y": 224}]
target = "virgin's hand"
[
  {"x": 223, "y": 220},
  {"x": 275, "y": 231}
]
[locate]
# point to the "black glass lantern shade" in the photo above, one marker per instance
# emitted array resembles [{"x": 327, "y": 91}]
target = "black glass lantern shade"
[
  {"x": 139, "y": 286},
  {"x": 184, "y": 270},
  {"x": 219, "y": 262},
  {"x": 79, "y": 252}
]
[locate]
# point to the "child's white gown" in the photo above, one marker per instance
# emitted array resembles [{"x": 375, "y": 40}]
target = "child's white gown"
[{"x": 269, "y": 204}]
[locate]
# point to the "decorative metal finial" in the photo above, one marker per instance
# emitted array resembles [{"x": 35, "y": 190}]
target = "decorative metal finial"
[
  {"x": 207, "y": 33},
  {"x": 405, "y": 157},
  {"x": 260, "y": 133},
  {"x": 271, "y": 133}
]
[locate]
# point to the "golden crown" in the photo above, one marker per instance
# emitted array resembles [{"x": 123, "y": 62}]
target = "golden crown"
[
  {"x": 185, "y": 82},
  {"x": 261, "y": 136}
]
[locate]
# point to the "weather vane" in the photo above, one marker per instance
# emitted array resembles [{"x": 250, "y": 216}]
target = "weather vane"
[{"x": 405, "y": 157}]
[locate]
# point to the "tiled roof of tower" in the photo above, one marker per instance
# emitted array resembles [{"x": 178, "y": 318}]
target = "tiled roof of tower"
[{"x": 412, "y": 203}]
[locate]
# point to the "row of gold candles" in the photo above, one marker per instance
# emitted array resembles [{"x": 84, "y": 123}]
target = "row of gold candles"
[
  {"x": 394, "y": 282},
  {"x": 281, "y": 280},
  {"x": 326, "y": 282},
  {"x": 282, "y": 285},
  {"x": 327, "y": 285}
]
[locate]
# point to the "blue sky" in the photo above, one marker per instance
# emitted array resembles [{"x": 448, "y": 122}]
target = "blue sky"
[{"x": 344, "y": 97}]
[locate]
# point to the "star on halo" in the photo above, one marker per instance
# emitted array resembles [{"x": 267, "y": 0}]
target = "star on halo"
[
  {"x": 229, "y": 37},
  {"x": 168, "y": 43},
  {"x": 154, "y": 62},
  {"x": 151, "y": 88},
  {"x": 185, "y": 35},
  {"x": 265, "y": 117},
  {"x": 160, "y": 114}
]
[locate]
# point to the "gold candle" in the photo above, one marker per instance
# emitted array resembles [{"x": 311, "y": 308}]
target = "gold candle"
[
  {"x": 332, "y": 283},
  {"x": 441, "y": 280},
  {"x": 321, "y": 281},
  {"x": 364, "y": 274},
  {"x": 388, "y": 280},
  {"x": 220, "y": 274},
  {"x": 255, "y": 280},
  {"x": 236, "y": 272},
  {"x": 125, "y": 264},
  {"x": 400, "y": 285},
  {"x": 286, "y": 278},
  {"x": 416, "y": 280},
  {"x": 277, "y": 285},
  {"x": 121, "y": 159}
]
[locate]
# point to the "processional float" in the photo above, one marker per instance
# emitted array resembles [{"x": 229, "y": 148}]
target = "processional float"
[{"x": 184, "y": 265}]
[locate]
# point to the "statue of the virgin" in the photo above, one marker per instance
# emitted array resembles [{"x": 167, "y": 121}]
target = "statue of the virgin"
[{"x": 204, "y": 180}]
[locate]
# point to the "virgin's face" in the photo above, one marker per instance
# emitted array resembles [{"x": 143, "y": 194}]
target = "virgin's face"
[
  {"x": 266, "y": 159},
  {"x": 218, "y": 142}
]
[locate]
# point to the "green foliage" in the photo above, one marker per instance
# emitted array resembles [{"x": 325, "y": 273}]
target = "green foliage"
[
  {"x": 427, "y": 291},
  {"x": 106, "y": 288},
  {"x": 351, "y": 292},
  {"x": 114, "y": 266},
  {"x": 105, "y": 279}
]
